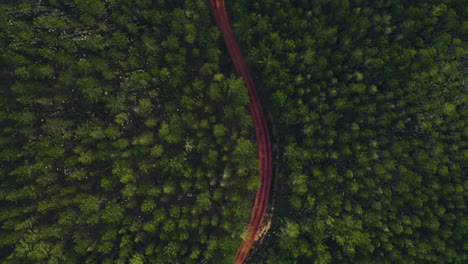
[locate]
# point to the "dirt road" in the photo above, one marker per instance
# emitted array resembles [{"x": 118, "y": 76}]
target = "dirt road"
[{"x": 261, "y": 130}]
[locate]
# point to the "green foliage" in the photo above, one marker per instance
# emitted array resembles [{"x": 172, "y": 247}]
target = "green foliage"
[
  {"x": 112, "y": 147},
  {"x": 371, "y": 126}
]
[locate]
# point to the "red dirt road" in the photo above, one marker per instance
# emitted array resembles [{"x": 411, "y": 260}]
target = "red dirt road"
[{"x": 261, "y": 130}]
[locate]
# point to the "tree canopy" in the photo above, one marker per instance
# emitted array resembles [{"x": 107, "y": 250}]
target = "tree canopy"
[
  {"x": 370, "y": 100},
  {"x": 124, "y": 137}
]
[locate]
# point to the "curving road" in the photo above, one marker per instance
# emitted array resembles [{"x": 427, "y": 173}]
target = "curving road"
[{"x": 263, "y": 138}]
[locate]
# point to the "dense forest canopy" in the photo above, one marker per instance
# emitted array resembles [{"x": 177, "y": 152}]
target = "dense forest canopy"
[
  {"x": 371, "y": 100},
  {"x": 125, "y": 137}
]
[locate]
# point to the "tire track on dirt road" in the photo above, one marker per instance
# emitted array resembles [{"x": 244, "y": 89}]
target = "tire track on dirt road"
[{"x": 261, "y": 131}]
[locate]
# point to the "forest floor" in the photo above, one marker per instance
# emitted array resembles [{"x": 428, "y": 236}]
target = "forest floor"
[{"x": 256, "y": 227}]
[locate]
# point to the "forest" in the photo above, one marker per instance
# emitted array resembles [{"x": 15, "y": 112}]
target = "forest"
[
  {"x": 370, "y": 99},
  {"x": 125, "y": 135}
]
